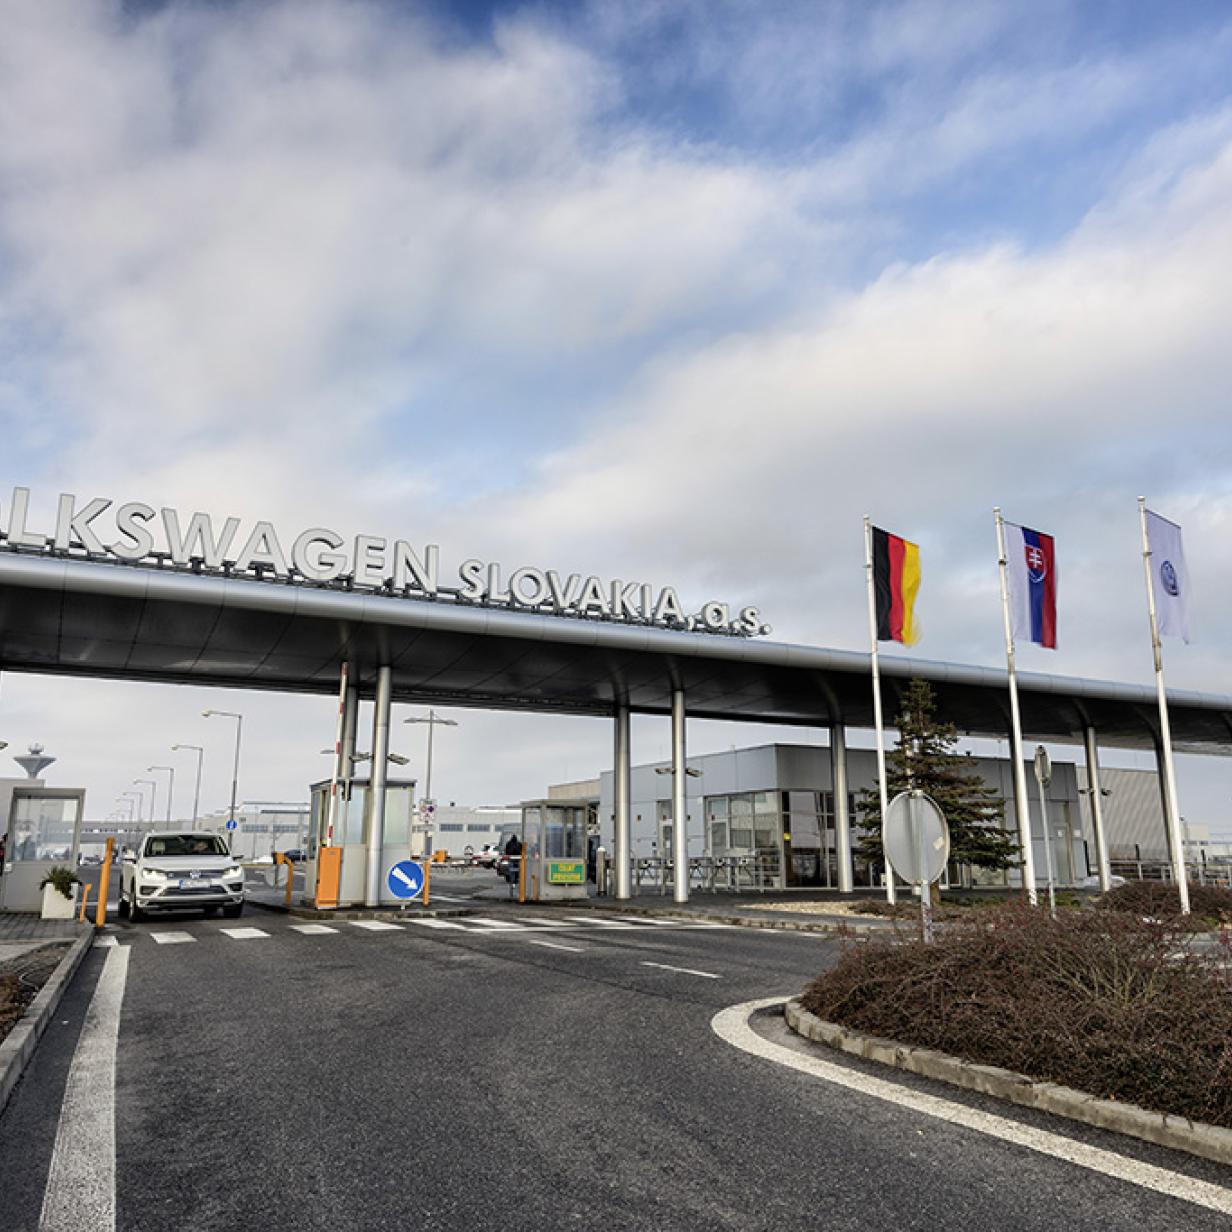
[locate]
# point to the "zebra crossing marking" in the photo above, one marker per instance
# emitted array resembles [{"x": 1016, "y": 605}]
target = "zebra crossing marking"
[{"x": 172, "y": 938}]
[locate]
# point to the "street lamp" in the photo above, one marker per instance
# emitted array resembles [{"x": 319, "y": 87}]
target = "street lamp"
[
  {"x": 196, "y": 748},
  {"x": 153, "y": 786},
  {"x": 432, "y": 720},
  {"x": 235, "y": 772},
  {"x": 170, "y": 785}
]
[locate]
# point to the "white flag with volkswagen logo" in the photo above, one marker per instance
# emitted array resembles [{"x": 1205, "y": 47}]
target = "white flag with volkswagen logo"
[{"x": 1169, "y": 577}]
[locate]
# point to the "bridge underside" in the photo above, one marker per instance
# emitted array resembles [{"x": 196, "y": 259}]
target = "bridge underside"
[{"x": 75, "y": 617}]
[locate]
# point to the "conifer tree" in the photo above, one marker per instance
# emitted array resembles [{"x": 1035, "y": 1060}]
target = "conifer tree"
[{"x": 926, "y": 757}]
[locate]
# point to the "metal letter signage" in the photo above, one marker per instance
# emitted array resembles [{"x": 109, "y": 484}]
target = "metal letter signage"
[{"x": 137, "y": 534}]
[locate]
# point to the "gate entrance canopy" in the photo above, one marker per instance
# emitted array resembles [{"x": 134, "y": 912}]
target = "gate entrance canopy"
[{"x": 167, "y": 623}]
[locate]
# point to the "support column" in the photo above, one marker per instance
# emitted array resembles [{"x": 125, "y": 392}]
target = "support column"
[
  {"x": 375, "y": 836},
  {"x": 842, "y": 814},
  {"x": 622, "y": 847},
  {"x": 1097, "y": 810},
  {"x": 680, "y": 803}
]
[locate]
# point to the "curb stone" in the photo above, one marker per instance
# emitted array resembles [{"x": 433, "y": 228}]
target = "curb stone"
[
  {"x": 1179, "y": 1133},
  {"x": 18, "y": 1046}
]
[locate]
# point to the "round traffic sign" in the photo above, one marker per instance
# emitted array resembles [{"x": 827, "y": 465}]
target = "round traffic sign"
[
  {"x": 405, "y": 879},
  {"x": 916, "y": 837},
  {"x": 232, "y": 824}
]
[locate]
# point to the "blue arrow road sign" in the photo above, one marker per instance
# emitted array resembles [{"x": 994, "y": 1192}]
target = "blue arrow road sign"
[
  {"x": 232, "y": 824},
  {"x": 405, "y": 879}
]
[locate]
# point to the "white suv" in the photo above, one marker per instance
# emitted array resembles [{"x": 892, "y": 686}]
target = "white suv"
[{"x": 177, "y": 870}]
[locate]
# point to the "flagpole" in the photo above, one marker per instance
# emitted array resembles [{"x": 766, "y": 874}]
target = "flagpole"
[
  {"x": 1172, "y": 813},
  {"x": 891, "y": 896},
  {"x": 1021, "y": 806}
]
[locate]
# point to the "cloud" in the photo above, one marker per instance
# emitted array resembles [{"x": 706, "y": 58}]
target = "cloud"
[{"x": 674, "y": 292}]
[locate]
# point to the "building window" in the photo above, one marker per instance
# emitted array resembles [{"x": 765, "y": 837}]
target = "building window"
[{"x": 451, "y": 827}]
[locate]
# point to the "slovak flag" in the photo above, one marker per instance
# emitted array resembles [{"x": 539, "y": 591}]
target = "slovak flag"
[{"x": 1032, "y": 570}]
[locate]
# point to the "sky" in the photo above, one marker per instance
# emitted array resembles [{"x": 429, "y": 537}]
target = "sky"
[{"x": 674, "y": 289}]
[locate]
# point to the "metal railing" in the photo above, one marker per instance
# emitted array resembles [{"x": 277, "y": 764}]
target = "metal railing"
[
  {"x": 1161, "y": 870},
  {"x": 736, "y": 874}
]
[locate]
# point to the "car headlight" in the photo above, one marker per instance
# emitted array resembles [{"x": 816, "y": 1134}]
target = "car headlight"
[
  {"x": 153, "y": 874},
  {"x": 230, "y": 873}
]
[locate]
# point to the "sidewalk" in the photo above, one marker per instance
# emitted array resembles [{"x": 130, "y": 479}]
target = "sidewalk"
[{"x": 20, "y": 933}]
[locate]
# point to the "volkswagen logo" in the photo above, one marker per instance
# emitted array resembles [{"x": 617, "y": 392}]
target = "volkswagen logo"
[{"x": 1167, "y": 575}]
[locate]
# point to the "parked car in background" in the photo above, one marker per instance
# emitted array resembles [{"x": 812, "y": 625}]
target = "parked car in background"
[
  {"x": 295, "y": 855},
  {"x": 487, "y": 857},
  {"x": 177, "y": 871}
]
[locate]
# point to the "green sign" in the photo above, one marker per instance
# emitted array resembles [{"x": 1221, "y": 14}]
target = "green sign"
[{"x": 567, "y": 872}]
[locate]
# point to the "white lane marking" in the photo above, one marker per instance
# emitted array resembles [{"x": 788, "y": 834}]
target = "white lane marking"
[
  {"x": 313, "y": 930},
  {"x": 487, "y": 923},
  {"x": 172, "y": 938},
  {"x": 243, "y": 934},
  {"x": 449, "y": 898},
  {"x": 80, "y": 1192},
  {"x": 555, "y": 945},
  {"x": 106, "y": 943},
  {"x": 439, "y": 924},
  {"x": 706, "y": 975},
  {"x": 732, "y": 1026},
  {"x": 539, "y": 919},
  {"x": 375, "y": 926},
  {"x": 599, "y": 921}
]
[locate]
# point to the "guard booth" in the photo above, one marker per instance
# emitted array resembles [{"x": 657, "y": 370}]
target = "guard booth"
[
  {"x": 42, "y": 830},
  {"x": 554, "y": 847},
  {"x": 350, "y": 834}
]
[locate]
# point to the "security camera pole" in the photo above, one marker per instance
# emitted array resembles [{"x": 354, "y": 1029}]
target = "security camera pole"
[{"x": 1043, "y": 777}]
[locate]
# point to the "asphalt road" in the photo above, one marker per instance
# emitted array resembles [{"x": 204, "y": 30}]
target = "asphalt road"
[{"x": 503, "y": 1075}]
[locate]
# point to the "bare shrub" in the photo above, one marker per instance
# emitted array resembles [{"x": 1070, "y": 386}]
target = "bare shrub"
[
  {"x": 1101, "y": 1001},
  {"x": 1160, "y": 900}
]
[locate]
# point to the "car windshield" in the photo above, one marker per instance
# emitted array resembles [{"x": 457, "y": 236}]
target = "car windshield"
[{"x": 185, "y": 845}]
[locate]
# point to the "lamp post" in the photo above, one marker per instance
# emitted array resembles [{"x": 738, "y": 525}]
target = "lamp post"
[
  {"x": 235, "y": 772},
  {"x": 200, "y": 752},
  {"x": 153, "y": 786},
  {"x": 170, "y": 785},
  {"x": 134, "y": 800},
  {"x": 433, "y": 720}
]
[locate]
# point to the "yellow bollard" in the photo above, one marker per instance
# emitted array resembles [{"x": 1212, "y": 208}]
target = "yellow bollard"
[
  {"x": 104, "y": 880},
  {"x": 427, "y": 881},
  {"x": 522, "y": 875},
  {"x": 85, "y": 898}
]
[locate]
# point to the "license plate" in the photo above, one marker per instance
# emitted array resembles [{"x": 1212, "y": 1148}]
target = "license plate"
[{"x": 194, "y": 883}]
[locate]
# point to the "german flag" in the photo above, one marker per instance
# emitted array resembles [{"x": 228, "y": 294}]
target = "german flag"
[{"x": 896, "y": 579}]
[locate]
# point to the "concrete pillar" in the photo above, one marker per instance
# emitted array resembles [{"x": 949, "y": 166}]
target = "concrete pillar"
[
  {"x": 842, "y": 814},
  {"x": 375, "y": 829},
  {"x": 680, "y": 802},
  {"x": 622, "y": 845},
  {"x": 1097, "y": 810}
]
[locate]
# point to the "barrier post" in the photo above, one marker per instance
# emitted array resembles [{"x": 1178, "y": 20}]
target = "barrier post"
[
  {"x": 522, "y": 875},
  {"x": 104, "y": 881},
  {"x": 427, "y": 881},
  {"x": 85, "y": 898}
]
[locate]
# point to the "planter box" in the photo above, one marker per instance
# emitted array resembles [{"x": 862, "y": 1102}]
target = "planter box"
[{"x": 56, "y": 906}]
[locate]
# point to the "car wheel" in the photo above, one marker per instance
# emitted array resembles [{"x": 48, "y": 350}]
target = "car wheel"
[
  {"x": 234, "y": 913},
  {"x": 134, "y": 912},
  {"x": 122, "y": 908},
  {"x": 211, "y": 910}
]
